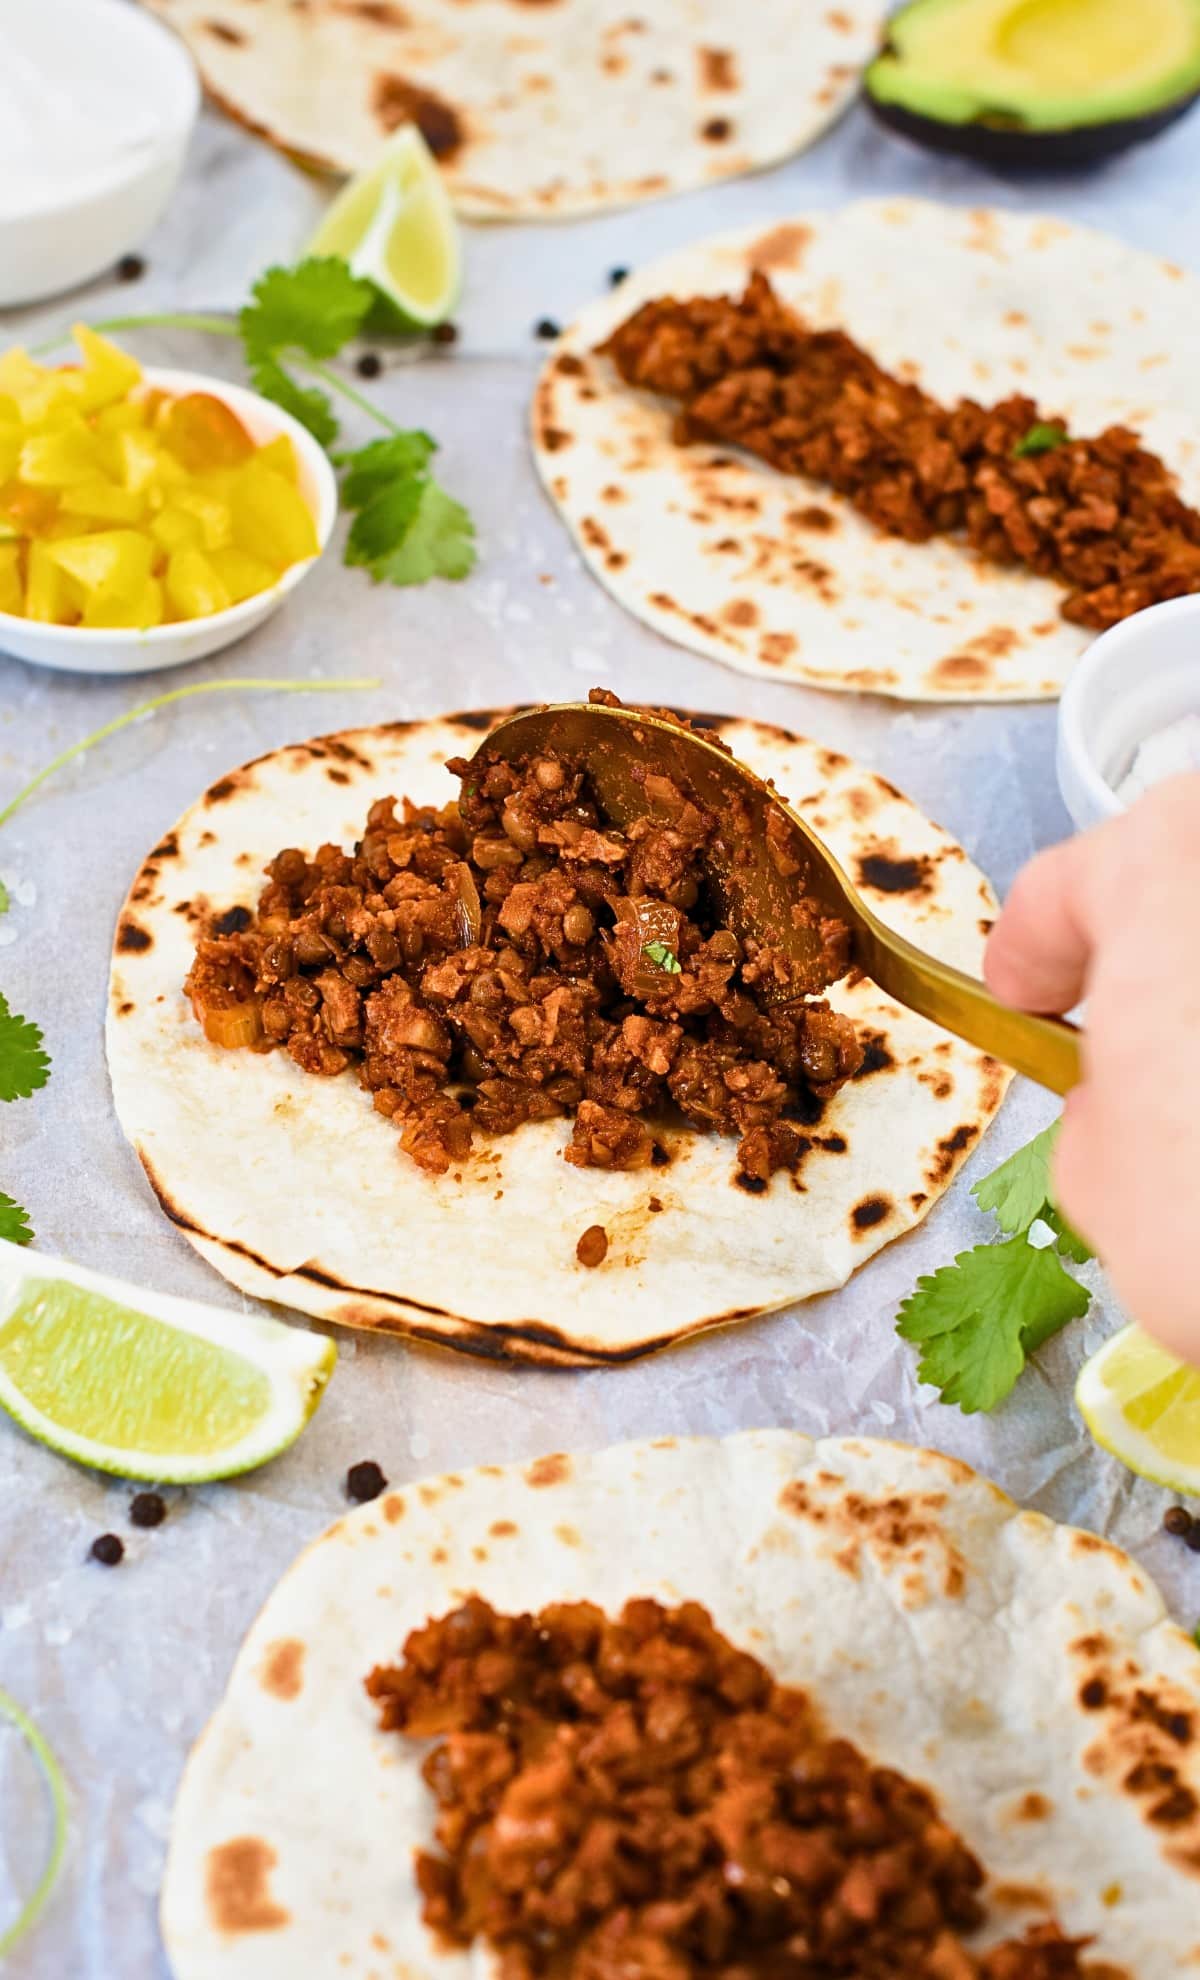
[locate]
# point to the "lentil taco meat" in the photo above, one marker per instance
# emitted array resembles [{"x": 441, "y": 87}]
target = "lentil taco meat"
[
  {"x": 399, "y": 1112},
  {"x": 759, "y": 1708},
  {"x": 634, "y": 1798},
  {"x": 895, "y": 448},
  {"x": 515, "y": 958}
]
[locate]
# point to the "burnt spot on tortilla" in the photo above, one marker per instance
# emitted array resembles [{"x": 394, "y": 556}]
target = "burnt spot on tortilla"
[
  {"x": 886, "y": 870},
  {"x": 123, "y": 1010},
  {"x": 654, "y": 1205},
  {"x": 167, "y": 848},
  {"x": 948, "y": 1152},
  {"x": 232, "y": 921},
  {"x": 740, "y": 612},
  {"x": 876, "y": 1057},
  {"x": 717, "y": 130},
  {"x": 718, "y": 69},
  {"x": 1093, "y": 1695},
  {"x": 222, "y": 32},
  {"x": 960, "y": 670},
  {"x": 902, "y": 1530},
  {"x": 552, "y": 1470},
  {"x": 995, "y": 642},
  {"x": 222, "y": 789},
  {"x": 812, "y": 517},
  {"x": 502, "y": 1529},
  {"x": 393, "y": 1508},
  {"x": 281, "y": 1673},
  {"x": 939, "y": 1083},
  {"x": 335, "y": 775},
  {"x": 554, "y": 439},
  {"x": 132, "y": 938},
  {"x": 594, "y": 534},
  {"x": 780, "y": 247},
  {"x": 832, "y": 1144},
  {"x": 753, "y": 1185},
  {"x": 776, "y": 648},
  {"x": 1033, "y": 1807},
  {"x": 917, "y": 1198},
  {"x": 872, "y": 1210},
  {"x": 380, "y": 13},
  {"x": 569, "y": 365},
  {"x": 208, "y": 838},
  {"x": 1012, "y": 1896},
  {"x": 395, "y": 101},
  {"x": 237, "y": 1887},
  {"x": 570, "y": 1536},
  {"x": 861, "y": 803}
]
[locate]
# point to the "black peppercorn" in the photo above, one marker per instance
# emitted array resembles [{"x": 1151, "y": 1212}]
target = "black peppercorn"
[
  {"x": 108, "y": 1549},
  {"x": 1178, "y": 1520},
  {"x": 445, "y": 333},
  {"x": 547, "y": 329},
  {"x": 369, "y": 365},
  {"x": 365, "y": 1481},
  {"x": 616, "y": 276},
  {"x": 130, "y": 268},
  {"x": 147, "y": 1509}
]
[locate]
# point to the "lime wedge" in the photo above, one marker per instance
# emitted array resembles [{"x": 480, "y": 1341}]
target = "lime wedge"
[
  {"x": 146, "y": 1385},
  {"x": 1144, "y": 1406},
  {"x": 395, "y": 226}
]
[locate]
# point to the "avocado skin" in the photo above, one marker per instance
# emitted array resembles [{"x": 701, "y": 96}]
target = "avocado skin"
[{"x": 1009, "y": 148}]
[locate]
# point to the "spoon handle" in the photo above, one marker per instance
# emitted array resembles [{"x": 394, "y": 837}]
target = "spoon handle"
[{"x": 1045, "y": 1049}]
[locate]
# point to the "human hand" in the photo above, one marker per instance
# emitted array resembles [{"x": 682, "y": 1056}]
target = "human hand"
[{"x": 1113, "y": 917}]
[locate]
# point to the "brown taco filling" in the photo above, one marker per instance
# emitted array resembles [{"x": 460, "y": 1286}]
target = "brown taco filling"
[
  {"x": 518, "y": 958},
  {"x": 1101, "y": 516},
  {"x": 636, "y": 1799}
]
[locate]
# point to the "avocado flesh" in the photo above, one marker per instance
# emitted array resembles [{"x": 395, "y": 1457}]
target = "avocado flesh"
[{"x": 1041, "y": 65}]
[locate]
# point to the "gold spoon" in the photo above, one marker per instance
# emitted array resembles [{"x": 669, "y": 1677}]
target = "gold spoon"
[{"x": 764, "y": 858}]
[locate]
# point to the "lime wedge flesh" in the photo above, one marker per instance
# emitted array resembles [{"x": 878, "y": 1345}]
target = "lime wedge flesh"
[
  {"x": 1143, "y": 1405},
  {"x": 166, "y": 1394},
  {"x": 395, "y": 226}
]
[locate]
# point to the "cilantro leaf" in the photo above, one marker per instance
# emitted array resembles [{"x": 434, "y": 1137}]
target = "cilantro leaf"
[
  {"x": 1070, "y": 1244},
  {"x": 664, "y": 957},
  {"x": 1042, "y": 437},
  {"x": 976, "y": 1320},
  {"x": 1019, "y": 1190},
  {"x": 24, "y": 1067},
  {"x": 14, "y": 1222},
  {"x": 315, "y": 307},
  {"x": 307, "y": 403},
  {"x": 4, "y": 900},
  {"x": 375, "y": 467}
]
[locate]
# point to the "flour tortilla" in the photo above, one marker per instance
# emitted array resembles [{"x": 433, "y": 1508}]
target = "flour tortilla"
[
  {"x": 537, "y": 108},
  {"x": 943, "y": 1630},
  {"x": 776, "y": 575},
  {"x": 297, "y": 1190}
]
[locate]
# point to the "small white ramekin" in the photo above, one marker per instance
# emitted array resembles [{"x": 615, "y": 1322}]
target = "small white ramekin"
[
  {"x": 1135, "y": 679},
  {"x": 99, "y": 650},
  {"x": 57, "y": 242}
]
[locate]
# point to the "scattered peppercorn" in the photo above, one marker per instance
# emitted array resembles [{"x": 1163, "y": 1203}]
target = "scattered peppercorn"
[
  {"x": 547, "y": 329},
  {"x": 616, "y": 276},
  {"x": 1178, "y": 1520},
  {"x": 445, "y": 333},
  {"x": 369, "y": 365},
  {"x": 365, "y": 1481},
  {"x": 592, "y": 1248},
  {"x": 130, "y": 268},
  {"x": 108, "y": 1549},
  {"x": 147, "y": 1509}
]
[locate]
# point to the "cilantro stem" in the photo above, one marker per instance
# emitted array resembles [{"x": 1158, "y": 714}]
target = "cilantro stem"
[
  {"x": 213, "y": 326},
  {"x": 161, "y": 701},
  {"x": 348, "y": 391},
  {"x": 53, "y": 1776}
]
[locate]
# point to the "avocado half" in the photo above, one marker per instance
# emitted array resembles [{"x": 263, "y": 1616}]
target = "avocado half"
[{"x": 1044, "y": 84}]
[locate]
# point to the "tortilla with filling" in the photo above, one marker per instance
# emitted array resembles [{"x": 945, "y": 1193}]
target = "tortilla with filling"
[
  {"x": 297, "y": 1191},
  {"x": 1025, "y": 1672},
  {"x": 536, "y": 109},
  {"x": 780, "y": 576}
]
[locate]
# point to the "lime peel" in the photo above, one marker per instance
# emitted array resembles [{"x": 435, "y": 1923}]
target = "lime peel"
[
  {"x": 56, "y": 1786},
  {"x": 1142, "y": 1405}
]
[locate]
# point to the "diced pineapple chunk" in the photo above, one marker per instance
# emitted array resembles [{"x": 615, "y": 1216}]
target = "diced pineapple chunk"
[
  {"x": 56, "y": 459},
  {"x": 271, "y": 518},
  {"x": 30, "y": 511},
  {"x": 116, "y": 562},
  {"x": 142, "y": 609},
  {"x": 174, "y": 529},
  {"x": 243, "y": 575},
  {"x": 109, "y": 374},
  {"x": 138, "y": 457},
  {"x": 103, "y": 501},
  {"x": 213, "y": 515},
  {"x": 11, "y": 593},
  {"x": 280, "y": 455},
  {"x": 194, "y": 590},
  {"x": 127, "y": 413},
  {"x": 49, "y": 595}
]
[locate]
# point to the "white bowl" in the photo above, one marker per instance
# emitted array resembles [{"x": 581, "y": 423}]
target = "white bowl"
[
  {"x": 55, "y": 242},
  {"x": 99, "y": 650},
  {"x": 1137, "y": 677}
]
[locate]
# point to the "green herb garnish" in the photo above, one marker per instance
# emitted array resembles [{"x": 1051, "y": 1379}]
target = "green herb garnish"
[
  {"x": 977, "y": 1320},
  {"x": 1042, "y": 437},
  {"x": 663, "y": 957},
  {"x": 24, "y": 1068},
  {"x": 408, "y": 528}
]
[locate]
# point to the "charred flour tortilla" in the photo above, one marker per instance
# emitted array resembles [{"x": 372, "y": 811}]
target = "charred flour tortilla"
[
  {"x": 297, "y": 1191},
  {"x": 537, "y": 108},
  {"x": 778, "y": 575},
  {"x": 1025, "y": 1672}
]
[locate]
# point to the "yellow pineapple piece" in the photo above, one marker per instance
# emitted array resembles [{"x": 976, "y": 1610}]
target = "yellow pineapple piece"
[
  {"x": 271, "y": 519},
  {"x": 56, "y": 459},
  {"x": 213, "y": 515},
  {"x": 280, "y": 455},
  {"x": 243, "y": 575},
  {"x": 12, "y": 594},
  {"x": 103, "y": 501},
  {"x": 112, "y": 562},
  {"x": 174, "y": 528},
  {"x": 108, "y": 374},
  {"x": 122, "y": 417},
  {"x": 142, "y": 609},
  {"x": 194, "y": 590},
  {"x": 50, "y": 597}
]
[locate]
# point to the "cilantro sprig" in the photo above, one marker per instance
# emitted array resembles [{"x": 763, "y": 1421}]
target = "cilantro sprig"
[
  {"x": 663, "y": 957},
  {"x": 296, "y": 320},
  {"x": 24, "y": 1068},
  {"x": 1041, "y": 438},
  {"x": 977, "y": 1321}
]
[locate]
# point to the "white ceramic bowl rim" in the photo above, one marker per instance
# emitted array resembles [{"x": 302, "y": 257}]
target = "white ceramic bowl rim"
[
  {"x": 1142, "y": 633},
  {"x": 179, "y": 112},
  {"x": 259, "y": 415}
]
